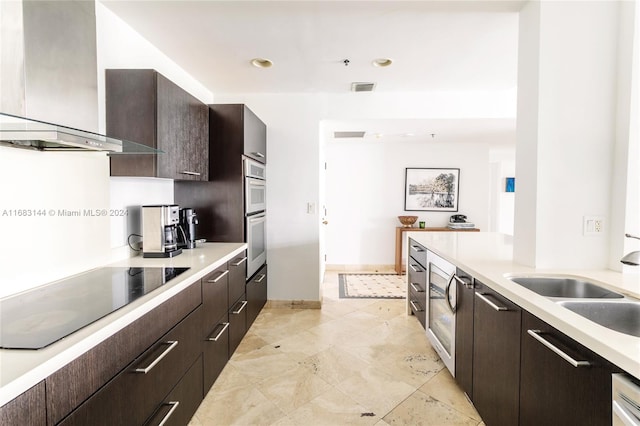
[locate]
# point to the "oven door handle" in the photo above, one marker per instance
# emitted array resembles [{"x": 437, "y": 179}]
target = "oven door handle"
[{"x": 447, "y": 293}]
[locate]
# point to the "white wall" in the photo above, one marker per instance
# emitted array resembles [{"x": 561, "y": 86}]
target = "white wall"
[
  {"x": 566, "y": 115},
  {"x": 293, "y": 150},
  {"x": 42, "y": 249},
  {"x": 502, "y": 205},
  {"x": 365, "y": 193}
]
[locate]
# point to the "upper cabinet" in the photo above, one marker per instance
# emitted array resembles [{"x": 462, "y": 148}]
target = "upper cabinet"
[
  {"x": 145, "y": 107},
  {"x": 236, "y": 130}
]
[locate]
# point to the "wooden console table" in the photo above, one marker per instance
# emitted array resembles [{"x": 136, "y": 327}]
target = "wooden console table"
[{"x": 401, "y": 229}]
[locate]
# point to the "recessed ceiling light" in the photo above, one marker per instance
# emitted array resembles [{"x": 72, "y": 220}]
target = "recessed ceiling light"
[
  {"x": 382, "y": 62},
  {"x": 408, "y": 135},
  {"x": 261, "y": 62}
]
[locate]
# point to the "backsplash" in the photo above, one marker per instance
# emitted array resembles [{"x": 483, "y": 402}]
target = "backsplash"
[{"x": 60, "y": 214}]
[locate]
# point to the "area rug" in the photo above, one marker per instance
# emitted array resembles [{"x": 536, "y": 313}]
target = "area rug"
[{"x": 372, "y": 286}]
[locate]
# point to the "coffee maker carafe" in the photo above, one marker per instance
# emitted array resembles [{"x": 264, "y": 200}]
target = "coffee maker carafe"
[
  {"x": 160, "y": 231},
  {"x": 187, "y": 228}
]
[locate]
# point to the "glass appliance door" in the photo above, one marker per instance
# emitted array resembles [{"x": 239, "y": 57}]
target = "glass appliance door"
[{"x": 256, "y": 242}]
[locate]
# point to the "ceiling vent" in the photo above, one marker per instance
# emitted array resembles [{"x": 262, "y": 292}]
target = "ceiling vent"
[
  {"x": 362, "y": 87},
  {"x": 352, "y": 134}
]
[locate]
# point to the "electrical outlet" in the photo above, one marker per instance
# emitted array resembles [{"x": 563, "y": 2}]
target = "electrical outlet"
[{"x": 593, "y": 225}]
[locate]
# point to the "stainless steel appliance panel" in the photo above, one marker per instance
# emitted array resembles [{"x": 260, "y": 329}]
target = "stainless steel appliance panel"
[
  {"x": 253, "y": 169},
  {"x": 255, "y": 196},
  {"x": 625, "y": 400},
  {"x": 441, "y": 318}
]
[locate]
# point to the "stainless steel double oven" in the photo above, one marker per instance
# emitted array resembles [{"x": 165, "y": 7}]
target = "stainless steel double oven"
[{"x": 255, "y": 212}]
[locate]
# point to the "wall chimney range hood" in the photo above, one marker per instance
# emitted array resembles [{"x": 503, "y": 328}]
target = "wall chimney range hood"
[{"x": 20, "y": 132}]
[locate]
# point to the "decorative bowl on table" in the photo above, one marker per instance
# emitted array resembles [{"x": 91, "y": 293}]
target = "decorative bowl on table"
[{"x": 407, "y": 221}]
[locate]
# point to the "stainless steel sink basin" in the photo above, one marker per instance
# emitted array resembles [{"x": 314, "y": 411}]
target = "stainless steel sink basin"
[
  {"x": 622, "y": 316},
  {"x": 565, "y": 287}
]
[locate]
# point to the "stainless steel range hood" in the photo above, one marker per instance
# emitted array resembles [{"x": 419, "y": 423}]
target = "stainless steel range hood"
[
  {"x": 20, "y": 132},
  {"x": 48, "y": 72}
]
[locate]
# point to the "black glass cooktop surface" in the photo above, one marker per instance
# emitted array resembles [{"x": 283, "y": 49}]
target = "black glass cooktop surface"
[{"x": 39, "y": 317}]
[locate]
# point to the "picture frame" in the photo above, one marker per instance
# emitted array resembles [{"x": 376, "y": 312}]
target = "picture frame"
[
  {"x": 510, "y": 184},
  {"x": 431, "y": 189}
]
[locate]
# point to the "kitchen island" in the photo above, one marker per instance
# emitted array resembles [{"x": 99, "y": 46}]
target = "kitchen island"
[
  {"x": 488, "y": 257},
  {"x": 22, "y": 369}
]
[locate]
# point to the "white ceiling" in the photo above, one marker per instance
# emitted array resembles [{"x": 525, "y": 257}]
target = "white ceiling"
[{"x": 434, "y": 45}]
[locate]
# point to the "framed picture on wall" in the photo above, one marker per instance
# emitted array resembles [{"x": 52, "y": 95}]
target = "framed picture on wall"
[{"x": 434, "y": 190}]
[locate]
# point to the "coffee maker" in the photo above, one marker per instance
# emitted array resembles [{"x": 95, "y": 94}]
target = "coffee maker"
[
  {"x": 160, "y": 231},
  {"x": 187, "y": 228}
]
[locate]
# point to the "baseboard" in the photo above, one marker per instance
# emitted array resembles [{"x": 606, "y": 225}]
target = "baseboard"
[
  {"x": 361, "y": 268},
  {"x": 294, "y": 304}
]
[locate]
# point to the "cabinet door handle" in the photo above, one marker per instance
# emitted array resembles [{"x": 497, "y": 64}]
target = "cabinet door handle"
[
  {"x": 415, "y": 269},
  {"x": 415, "y": 287},
  {"x": 464, "y": 281},
  {"x": 185, "y": 172},
  {"x": 490, "y": 303},
  {"x": 236, "y": 312},
  {"x": 536, "y": 335},
  {"x": 258, "y": 154},
  {"x": 416, "y": 308},
  {"x": 172, "y": 344},
  {"x": 174, "y": 405},
  {"x": 224, "y": 325},
  {"x": 417, "y": 248},
  {"x": 219, "y": 277},
  {"x": 239, "y": 262},
  {"x": 262, "y": 277}
]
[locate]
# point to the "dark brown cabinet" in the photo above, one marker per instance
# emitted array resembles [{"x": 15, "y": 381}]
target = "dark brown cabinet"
[
  {"x": 28, "y": 408},
  {"x": 235, "y": 128},
  {"x": 417, "y": 279},
  {"x": 68, "y": 387},
  {"x": 464, "y": 331},
  {"x": 237, "y": 323},
  {"x": 215, "y": 340},
  {"x": 237, "y": 278},
  {"x": 256, "y": 295},
  {"x": 178, "y": 407},
  {"x": 496, "y": 357},
  {"x": 139, "y": 390},
  {"x": 145, "y": 107},
  {"x": 574, "y": 389}
]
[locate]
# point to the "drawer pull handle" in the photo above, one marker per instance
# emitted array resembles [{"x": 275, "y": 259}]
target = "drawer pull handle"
[
  {"x": 190, "y": 173},
  {"x": 239, "y": 262},
  {"x": 415, "y": 287},
  {"x": 415, "y": 269},
  {"x": 174, "y": 405},
  {"x": 417, "y": 248},
  {"x": 415, "y": 308},
  {"x": 490, "y": 303},
  {"x": 536, "y": 335},
  {"x": 224, "y": 325},
  {"x": 464, "y": 281},
  {"x": 236, "y": 312},
  {"x": 172, "y": 344},
  {"x": 258, "y": 154},
  {"x": 222, "y": 274},
  {"x": 262, "y": 277}
]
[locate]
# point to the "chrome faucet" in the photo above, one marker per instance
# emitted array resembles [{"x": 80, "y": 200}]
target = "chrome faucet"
[{"x": 632, "y": 258}]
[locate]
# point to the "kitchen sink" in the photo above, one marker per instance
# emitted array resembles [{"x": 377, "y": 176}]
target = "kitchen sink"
[
  {"x": 622, "y": 316},
  {"x": 565, "y": 287}
]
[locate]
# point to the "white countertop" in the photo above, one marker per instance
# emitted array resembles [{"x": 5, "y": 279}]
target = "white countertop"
[
  {"x": 488, "y": 257},
  {"x": 21, "y": 369}
]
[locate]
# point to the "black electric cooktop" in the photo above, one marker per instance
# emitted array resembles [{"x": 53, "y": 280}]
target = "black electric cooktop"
[{"x": 39, "y": 317}]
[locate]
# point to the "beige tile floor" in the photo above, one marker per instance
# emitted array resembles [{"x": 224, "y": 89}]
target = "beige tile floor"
[{"x": 355, "y": 361}]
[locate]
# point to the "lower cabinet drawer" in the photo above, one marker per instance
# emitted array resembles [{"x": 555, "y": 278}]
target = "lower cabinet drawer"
[
  {"x": 134, "y": 394},
  {"x": 215, "y": 351},
  {"x": 417, "y": 304},
  {"x": 74, "y": 383},
  {"x": 237, "y": 323},
  {"x": 178, "y": 407},
  {"x": 256, "y": 295}
]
